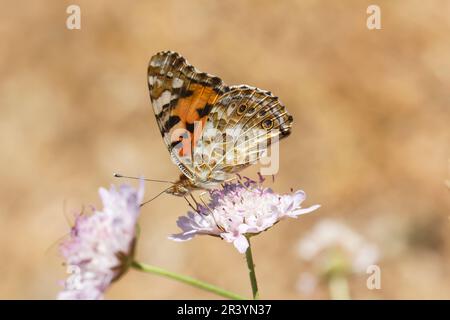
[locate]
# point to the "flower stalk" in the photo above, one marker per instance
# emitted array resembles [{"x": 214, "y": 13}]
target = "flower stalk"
[
  {"x": 186, "y": 279},
  {"x": 251, "y": 270},
  {"x": 338, "y": 287}
]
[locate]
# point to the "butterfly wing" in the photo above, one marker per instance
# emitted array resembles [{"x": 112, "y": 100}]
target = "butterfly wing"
[
  {"x": 242, "y": 124},
  {"x": 181, "y": 97},
  {"x": 211, "y": 130}
]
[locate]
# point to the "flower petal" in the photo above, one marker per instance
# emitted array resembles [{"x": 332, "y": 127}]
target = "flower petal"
[
  {"x": 241, "y": 244},
  {"x": 298, "y": 212}
]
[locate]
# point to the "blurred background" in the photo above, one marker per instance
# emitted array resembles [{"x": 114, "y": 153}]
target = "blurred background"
[{"x": 370, "y": 141}]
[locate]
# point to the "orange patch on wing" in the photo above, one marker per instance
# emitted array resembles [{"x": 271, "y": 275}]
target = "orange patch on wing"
[{"x": 186, "y": 109}]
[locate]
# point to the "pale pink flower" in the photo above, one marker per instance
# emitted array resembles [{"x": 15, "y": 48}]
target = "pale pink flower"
[
  {"x": 100, "y": 247},
  {"x": 329, "y": 235},
  {"x": 240, "y": 210}
]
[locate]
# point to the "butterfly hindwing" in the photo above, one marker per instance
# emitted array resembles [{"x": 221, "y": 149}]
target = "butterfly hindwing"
[{"x": 247, "y": 120}]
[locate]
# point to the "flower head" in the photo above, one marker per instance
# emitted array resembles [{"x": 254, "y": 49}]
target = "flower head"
[
  {"x": 240, "y": 210},
  {"x": 101, "y": 245},
  {"x": 330, "y": 237}
]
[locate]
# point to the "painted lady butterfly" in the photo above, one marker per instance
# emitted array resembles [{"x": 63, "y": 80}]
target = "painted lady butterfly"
[{"x": 212, "y": 130}]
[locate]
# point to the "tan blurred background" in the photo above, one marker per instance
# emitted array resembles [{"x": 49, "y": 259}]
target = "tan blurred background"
[{"x": 370, "y": 139}]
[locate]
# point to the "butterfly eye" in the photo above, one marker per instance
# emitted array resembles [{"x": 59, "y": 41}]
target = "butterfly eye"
[
  {"x": 242, "y": 109},
  {"x": 267, "y": 124},
  {"x": 262, "y": 113}
]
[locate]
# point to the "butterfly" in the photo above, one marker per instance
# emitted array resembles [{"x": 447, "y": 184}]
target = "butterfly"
[{"x": 211, "y": 130}]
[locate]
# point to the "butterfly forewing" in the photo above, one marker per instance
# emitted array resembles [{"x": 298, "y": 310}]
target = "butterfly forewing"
[{"x": 181, "y": 97}]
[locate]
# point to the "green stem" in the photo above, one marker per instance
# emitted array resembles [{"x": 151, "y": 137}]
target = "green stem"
[
  {"x": 186, "y": 279},
  {"x": 251, "y": 271},
  {"x": 338, "y": 286}
]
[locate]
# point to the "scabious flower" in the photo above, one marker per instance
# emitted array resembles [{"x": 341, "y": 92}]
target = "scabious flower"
[
  {"x": 240, "y": 210},
  {"x": 101, "y": 245},
  {"x": 330, "y": 236}
]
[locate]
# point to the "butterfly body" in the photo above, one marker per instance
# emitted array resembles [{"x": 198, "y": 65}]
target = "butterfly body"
[
  {"x": 211, "y": 130},
  {"x": 184, "y": 186}
]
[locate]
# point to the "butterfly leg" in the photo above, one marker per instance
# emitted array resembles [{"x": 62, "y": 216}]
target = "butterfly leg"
[
  {"x": 210, "y": 211},
  {"x": 203, "y": 201},
  {"x": 195, "y": 201},
  {"x": 190, "y": 205},
  {"x": 235, "y": 178},
  {"x": 196, "y": 208}
]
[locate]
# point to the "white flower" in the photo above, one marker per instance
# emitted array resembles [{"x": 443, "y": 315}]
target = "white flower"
[
  {"x": 307, "y": 283},
  {"x": 329, "y": 234},
  {"x": 101, "y": 245},
  {"x": 240, "y": 210}
]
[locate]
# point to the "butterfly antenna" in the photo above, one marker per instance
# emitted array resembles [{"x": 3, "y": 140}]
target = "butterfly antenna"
[
  {"x": 144, "y": 203},
  {"x": 118, "y": 175}
]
